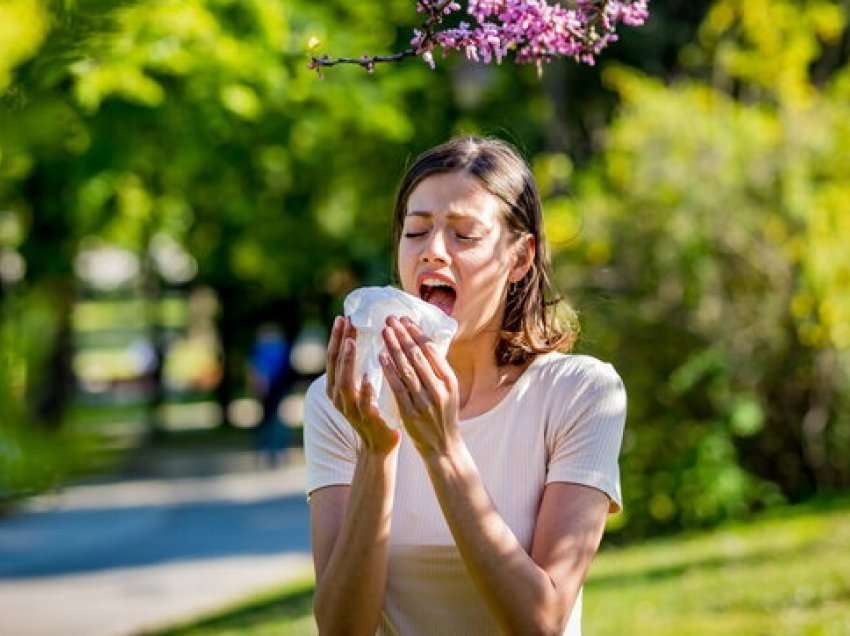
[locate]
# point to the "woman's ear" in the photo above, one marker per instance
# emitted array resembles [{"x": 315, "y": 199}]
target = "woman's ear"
[{"x": 526, "y": 250}]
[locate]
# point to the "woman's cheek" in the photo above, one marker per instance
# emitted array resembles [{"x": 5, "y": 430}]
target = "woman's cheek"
[{"x": 405, "y": 270}]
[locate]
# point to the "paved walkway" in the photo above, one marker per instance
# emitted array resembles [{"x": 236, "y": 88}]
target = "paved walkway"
[{"x": 119, "y": 558}]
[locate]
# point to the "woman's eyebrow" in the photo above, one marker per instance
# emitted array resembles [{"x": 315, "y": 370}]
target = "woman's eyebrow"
[{"x": 451, "y": 215}]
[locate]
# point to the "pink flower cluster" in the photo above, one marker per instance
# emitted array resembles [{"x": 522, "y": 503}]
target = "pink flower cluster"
[{"x": 536, "y": 30}]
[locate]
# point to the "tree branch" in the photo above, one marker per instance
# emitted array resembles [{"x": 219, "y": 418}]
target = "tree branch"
[
  {"x": 368, "y": 61},
  {"x": 538, "y": 32}
]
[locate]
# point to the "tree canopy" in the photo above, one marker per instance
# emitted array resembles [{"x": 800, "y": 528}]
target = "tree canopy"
[{"x": 695, "y": 184}]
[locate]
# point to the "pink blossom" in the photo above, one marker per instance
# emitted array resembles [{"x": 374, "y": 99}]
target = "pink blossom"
[{"x": 536, "y": 30}]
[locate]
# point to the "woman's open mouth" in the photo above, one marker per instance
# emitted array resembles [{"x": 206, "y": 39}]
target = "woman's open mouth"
[{"x": 442, "y": 296}]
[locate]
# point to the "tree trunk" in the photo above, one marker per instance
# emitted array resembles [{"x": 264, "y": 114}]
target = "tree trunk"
[{"x": 55, "y": 391}]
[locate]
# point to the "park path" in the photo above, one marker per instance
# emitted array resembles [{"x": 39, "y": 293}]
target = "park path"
[{"x": 131, "y": 555}]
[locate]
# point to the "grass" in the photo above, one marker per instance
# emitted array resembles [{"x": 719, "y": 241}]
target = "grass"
[
  {"x": 284, "y": 610},
  {"x": 787, "y": 573}
]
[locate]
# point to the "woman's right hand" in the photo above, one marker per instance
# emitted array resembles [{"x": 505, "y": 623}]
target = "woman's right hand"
[{"x": 355, "y": 403}]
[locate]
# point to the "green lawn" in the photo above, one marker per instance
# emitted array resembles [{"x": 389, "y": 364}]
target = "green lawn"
[{"x": 787, "y": 573}]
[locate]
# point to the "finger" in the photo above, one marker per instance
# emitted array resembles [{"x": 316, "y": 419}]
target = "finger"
[
  {"x": 363, "y": 413},
  {"x": 364, "y": 403},
  {"x": 398, "y": 388},
  {"x": 432, "y": 384},
  {"x": 333, "y": 354},
  {"x": 439, "y": 364},
  {"x": 405, "y": 371},
  {"x": 348, "y": 380},
  {"x": 340, "y": 369},
  {"x": 352, "y": 330},
  {"x": 341, "y": 358}
]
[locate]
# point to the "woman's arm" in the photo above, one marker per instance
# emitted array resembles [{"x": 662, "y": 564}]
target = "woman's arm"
[
  {"x": 350, "y": 583},
  {"x": 351, "y": 580},
  {"x": 528, "y": 594}
]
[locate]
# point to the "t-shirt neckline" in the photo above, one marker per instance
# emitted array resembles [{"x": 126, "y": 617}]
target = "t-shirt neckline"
[{"x": 522, "y": 379}]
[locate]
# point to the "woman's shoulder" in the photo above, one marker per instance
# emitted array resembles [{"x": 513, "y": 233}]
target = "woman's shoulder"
[
  {"x": 317, "y": 387},
  {"x": 571, "y": 386},
  {"x": 317, "y": 402},
  {"x": 321, "y": 417},
  {"x": 316, "y": 395},
  {"x": 574, "y": 365},
  {"x": 572, "y": 368}
]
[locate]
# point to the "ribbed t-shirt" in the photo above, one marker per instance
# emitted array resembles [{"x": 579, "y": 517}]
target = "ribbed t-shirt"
[{"x": 562, "y": 420}]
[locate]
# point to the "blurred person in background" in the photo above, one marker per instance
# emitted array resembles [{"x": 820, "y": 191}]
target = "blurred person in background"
[{"x": 269, "y": 375}]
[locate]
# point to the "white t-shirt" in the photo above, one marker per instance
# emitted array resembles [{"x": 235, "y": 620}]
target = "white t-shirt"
[{"x": 562, "y": 420}]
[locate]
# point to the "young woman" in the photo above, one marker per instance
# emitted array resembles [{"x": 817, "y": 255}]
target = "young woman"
[{"x": 482, "y": 516}]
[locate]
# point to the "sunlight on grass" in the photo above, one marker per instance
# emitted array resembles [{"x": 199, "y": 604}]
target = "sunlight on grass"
[
  {"x": 776, "y": 576},
  {"x": 286, "y": 610}
]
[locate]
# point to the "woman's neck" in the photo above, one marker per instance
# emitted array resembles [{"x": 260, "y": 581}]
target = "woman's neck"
[{"x": 474, "y": 364}]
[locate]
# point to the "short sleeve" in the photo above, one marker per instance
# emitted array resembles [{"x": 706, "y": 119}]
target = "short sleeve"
[
  {"x": 588, "y": 419},
  {"x": 330, "y": 442}
]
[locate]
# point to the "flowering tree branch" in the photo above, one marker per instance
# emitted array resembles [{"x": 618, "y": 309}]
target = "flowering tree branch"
[{"x": 534, "y": 29}]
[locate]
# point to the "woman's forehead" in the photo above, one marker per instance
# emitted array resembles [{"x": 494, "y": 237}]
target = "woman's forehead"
[
  {"x": 456, "y": 196},
  {"x": 452, "y": 215}
]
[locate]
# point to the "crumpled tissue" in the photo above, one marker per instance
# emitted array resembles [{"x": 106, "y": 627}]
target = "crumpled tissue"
[{"x": 368, "y": 309}]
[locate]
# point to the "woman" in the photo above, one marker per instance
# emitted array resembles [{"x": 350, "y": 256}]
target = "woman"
[{"x": 483, "y": 515}]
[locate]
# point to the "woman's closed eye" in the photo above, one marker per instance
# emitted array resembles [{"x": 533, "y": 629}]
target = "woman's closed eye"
[{"x": 460, "y": 236}]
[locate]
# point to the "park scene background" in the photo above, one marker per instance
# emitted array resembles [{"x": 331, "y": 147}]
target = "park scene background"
[{"x": 178, "y": 189}]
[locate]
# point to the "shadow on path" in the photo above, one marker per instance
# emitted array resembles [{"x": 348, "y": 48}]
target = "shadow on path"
[{"x": 39, "y": 544}]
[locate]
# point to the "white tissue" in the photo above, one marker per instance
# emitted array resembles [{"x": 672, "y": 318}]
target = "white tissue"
[{"x": 368, "y": 309}]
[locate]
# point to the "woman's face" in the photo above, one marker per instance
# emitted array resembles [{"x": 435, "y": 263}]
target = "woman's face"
[{"x": 454, "y": 229}]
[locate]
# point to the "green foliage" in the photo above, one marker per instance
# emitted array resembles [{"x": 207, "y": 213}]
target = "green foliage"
[
  {"x": 32, "y": 460},
  {"x": 719, "y": 226},
  {"x": 251, "y": 136},
  {"x": 122, "y": 121},
  {"x": 705, "y": 247},
  {"x": 23, "y": 25}
]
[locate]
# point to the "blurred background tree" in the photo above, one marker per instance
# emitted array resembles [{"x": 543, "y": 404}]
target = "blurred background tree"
[
  {"x": 716, "y": 221},
  {"x": 172, "y": 176}
]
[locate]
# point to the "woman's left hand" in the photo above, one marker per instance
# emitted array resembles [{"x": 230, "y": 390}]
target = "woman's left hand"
[{"x": 425, "y": 387}]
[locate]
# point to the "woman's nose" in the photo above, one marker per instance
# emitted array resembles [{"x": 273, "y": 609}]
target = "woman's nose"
[{"x": 435, "y": 248}]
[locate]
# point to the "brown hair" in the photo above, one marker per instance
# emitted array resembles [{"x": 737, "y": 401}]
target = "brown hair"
[{"x": 532, "y": 324}]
